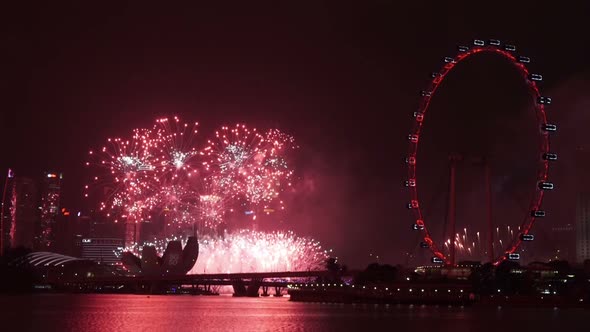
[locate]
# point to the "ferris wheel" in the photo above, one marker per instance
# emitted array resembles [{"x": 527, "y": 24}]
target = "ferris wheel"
[{"x": 546, "y": 156}]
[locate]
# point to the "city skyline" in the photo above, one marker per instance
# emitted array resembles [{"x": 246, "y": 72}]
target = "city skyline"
[
  {"x": 344, "y": 81},
  {"x": 295, "y": 166}
]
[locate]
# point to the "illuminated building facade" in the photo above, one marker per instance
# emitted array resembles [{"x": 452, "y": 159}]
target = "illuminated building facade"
[
  {"x": 23, "y": 212},
  {"x": 582, "y": 205},
  {"x": 87, "y": 230},
  {"x": 583, "y": 227},
  {"x": 175, "y": 260},
  {"x": 49, "y": 209},
  {"x": 562, "y": 243},
  {"x": 101, "y": 250},
  {"x": 5, "y": 216}
]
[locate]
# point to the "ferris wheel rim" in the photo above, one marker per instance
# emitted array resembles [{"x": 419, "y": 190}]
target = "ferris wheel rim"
[{"x": 545, "y": 155}]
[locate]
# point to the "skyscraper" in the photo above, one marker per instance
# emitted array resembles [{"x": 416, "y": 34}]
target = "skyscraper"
[
  {"x": 23, "y": 212},
  {"x": 582, "y": 205},
  {"x": 102, "y": 250},
  {"x": 5, "y": 211},
  {"x": 50, "y": 195},
  {"x": 582, "y": 226}
]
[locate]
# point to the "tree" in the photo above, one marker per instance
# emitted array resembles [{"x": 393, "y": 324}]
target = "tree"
[
  {"x": 377, "y": 274},
  {"x": 16, "y": 278},
  {"x": 482, "y": 279},
  {"x": 506, "y": 280},
  {"x": 335, "y": 271}
]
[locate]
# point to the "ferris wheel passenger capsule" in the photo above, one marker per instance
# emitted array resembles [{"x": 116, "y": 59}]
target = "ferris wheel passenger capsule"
[
  {"x": 527, "y": 237},
  {"x": 513, "y": 256},
  {"x": 550, "y": 156},
  {"x": 413, "y": 138},
  {"x": 463, "y": 48},
  {"x": 510, "y": 48},
  {"x": 417, "y": 227},
  {"x": 549, "y": 127},
  {"x": 411, "y": 160},
  {"x": 535, "y": 77},
  {"x": 437, "y": 260},
  {"x": 448, "y": 59},
  {"x": 544, "y": 100},
  {"x": 410, "y": 183},
  {"x": 424, "y": 245},
  {"x": 546, "y": 185},
  {"x": 424, "y": 93},
  {"x": 538, "y": 213},
  {"x": 478, "y": 42},
  {"x": 494, "y": 42},
  {"x": 419, "y": 116},
  {"x": 524, "y": 59}
]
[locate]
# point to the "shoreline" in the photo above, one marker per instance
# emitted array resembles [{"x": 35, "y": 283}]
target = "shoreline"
[{"x": 348, "y": 296}]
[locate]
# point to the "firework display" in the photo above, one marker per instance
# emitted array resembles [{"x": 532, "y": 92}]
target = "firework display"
[
  {"x": 473, "y": 246},
  {"x": 249, "y": 251},
  {"x": 127, "y": 175},
  {"x": 163, "y": 170},
  {"x": 176, "y": 151},
  {"x": 164, "y": 174},
  {"x": 176, "y": 163},
  {"x": 248, "y": 165},
  {"x": 232, "y": 158}
]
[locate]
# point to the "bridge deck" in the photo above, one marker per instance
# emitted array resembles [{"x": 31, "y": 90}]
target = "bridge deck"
[{"x": 217, "y": 278}]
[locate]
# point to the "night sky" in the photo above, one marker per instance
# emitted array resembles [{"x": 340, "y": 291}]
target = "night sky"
[{"x": 343, "y": 79}]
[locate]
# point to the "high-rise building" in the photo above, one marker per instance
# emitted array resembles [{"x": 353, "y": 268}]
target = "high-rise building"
[
  {"x": 23, "y": 212},
  {"x": 582, "y": 205},
  {"x": 94, "y": 227},
  {"x": 583, "y": 226},
  {"x": 5, "y": 216},
  {"x": 50, "y": 195},
  {"x": 561, "y": 242},
  {"x": 102, "y": 250}
]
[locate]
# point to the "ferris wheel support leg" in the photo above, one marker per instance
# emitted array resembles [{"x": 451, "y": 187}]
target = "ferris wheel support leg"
[
  {"x": 452, "y": 206},
  {"x": 489, "y": 208}
]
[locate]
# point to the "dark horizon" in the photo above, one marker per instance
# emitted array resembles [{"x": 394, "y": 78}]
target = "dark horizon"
[{"x": 343, "y": 80}]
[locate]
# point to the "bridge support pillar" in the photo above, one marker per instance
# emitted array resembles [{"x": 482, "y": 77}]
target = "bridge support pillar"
[
  {"x": 239, "y": 288},
  {"x": 265, "y": 291},
  {"x": 278, "y": 291},
  {"x": 254, "y": 287},
  {"x": 193, "y": 289}
]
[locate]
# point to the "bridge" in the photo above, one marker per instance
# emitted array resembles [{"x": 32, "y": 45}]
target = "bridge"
[
  {"x": 244, "y": 284},
  {"x": 73, "y": 274}
]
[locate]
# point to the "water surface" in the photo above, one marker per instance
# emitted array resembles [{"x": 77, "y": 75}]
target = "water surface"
[{"x": 102, "y": 312}]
